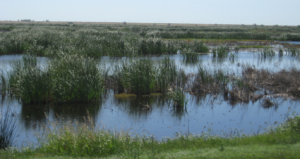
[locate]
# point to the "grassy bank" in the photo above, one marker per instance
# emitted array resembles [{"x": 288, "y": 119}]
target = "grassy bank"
[{"x": 86, "y": 140}]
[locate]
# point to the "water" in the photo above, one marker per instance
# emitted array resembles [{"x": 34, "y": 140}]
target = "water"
[
  {"x": 202, "y": 114},
  {"x": 291, "y": 42}
]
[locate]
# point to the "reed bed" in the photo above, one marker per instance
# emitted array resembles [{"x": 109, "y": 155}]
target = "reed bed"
[
  {"x": 293, "y": 52},
  {"x": 144, "y": 76},
  {"x": 115, "y": 40},
  {"x": 189, "y": 55},
  {"x": 93, "y": 42},
  {"x": 68, "y": 78},
  {"x": 178, "y": 97},
  {"x": 209, "y": 83},
  {"x": 267, "y": 52}
]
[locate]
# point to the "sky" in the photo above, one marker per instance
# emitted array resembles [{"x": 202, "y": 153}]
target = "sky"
[{"x": 266, "y": 12}]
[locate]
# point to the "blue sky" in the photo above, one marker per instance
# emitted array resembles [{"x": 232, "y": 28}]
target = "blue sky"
[{"x": 267, "y": 12}]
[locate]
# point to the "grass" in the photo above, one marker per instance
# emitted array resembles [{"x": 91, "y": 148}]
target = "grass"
[{"x": 88, "y": 141}]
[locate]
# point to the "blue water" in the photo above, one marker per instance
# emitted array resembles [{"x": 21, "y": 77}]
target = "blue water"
[{"x": 202, "y": 114}]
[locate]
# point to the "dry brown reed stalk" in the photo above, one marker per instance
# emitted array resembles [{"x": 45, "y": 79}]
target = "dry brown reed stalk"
[{"x": 284, "y": 83}]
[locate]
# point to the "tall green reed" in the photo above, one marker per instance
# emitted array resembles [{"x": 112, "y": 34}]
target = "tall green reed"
[
  {"x": 145, "y": 76},
  {"x": 267, "y": 52},
  {"x": 68, "y": 78},
  {"x": 189, "y": 55},
  {"x": 138, "y": 77},
  {"x": 178, "y": 97},
  {"x": 75, "y": 78}
]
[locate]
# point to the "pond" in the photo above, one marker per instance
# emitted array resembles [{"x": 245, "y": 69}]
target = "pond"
[{"x": 211, "y": 114}]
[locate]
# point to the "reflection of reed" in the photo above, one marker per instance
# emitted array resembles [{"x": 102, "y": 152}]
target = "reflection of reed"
[
  {"x": 178, "y": 111},
  {"x": 8, "y": 128},
  {"x": 137, "y": 106},
  {"x": 33, "y": 115}
]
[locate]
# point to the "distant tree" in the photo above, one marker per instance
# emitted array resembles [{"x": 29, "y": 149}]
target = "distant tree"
[
  {"x": 124, "y": 23},
  {"x": 298, "y": 26},
  {"x": 154, "y": 24},
  {"x": 169, "y": 24}
]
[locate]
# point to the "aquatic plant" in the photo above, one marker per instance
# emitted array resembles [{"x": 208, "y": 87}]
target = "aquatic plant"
[
  {"x": 222, "y": 51},
  {"x": 166, "y": 74},
  {"x": 189, "y": 55},
  {"x": 280, "y": 52},
  {"x": 144, "y": 76},
  {"x": 267, "y": 52},
  {"x": 138, "y": 77},
  {"x": 206, "y": 83},
  {"x": 293, "y": 52},
  {"x": 75, "y": 78},
  {"x": 68, "y": 78},
  {"x": 178, "y": 97}
]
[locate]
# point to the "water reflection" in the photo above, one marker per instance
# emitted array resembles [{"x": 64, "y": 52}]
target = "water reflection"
[{"x": 203, "y": 113}]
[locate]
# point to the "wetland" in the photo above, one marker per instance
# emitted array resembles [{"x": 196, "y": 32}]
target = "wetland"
[{"x": 153, "y": 81}]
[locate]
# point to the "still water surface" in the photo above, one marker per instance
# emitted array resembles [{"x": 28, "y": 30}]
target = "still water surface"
[{"x": 202, "y": 114}]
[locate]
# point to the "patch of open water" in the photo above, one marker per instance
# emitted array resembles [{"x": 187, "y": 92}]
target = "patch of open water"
[{"x": 202, "y": 114}]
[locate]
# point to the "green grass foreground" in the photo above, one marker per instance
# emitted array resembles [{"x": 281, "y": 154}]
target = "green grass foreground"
[{"x": 85, "y": 141}]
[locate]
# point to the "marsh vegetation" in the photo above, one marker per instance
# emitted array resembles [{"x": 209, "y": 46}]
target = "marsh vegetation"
[{"x": 158, "y": 74}]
